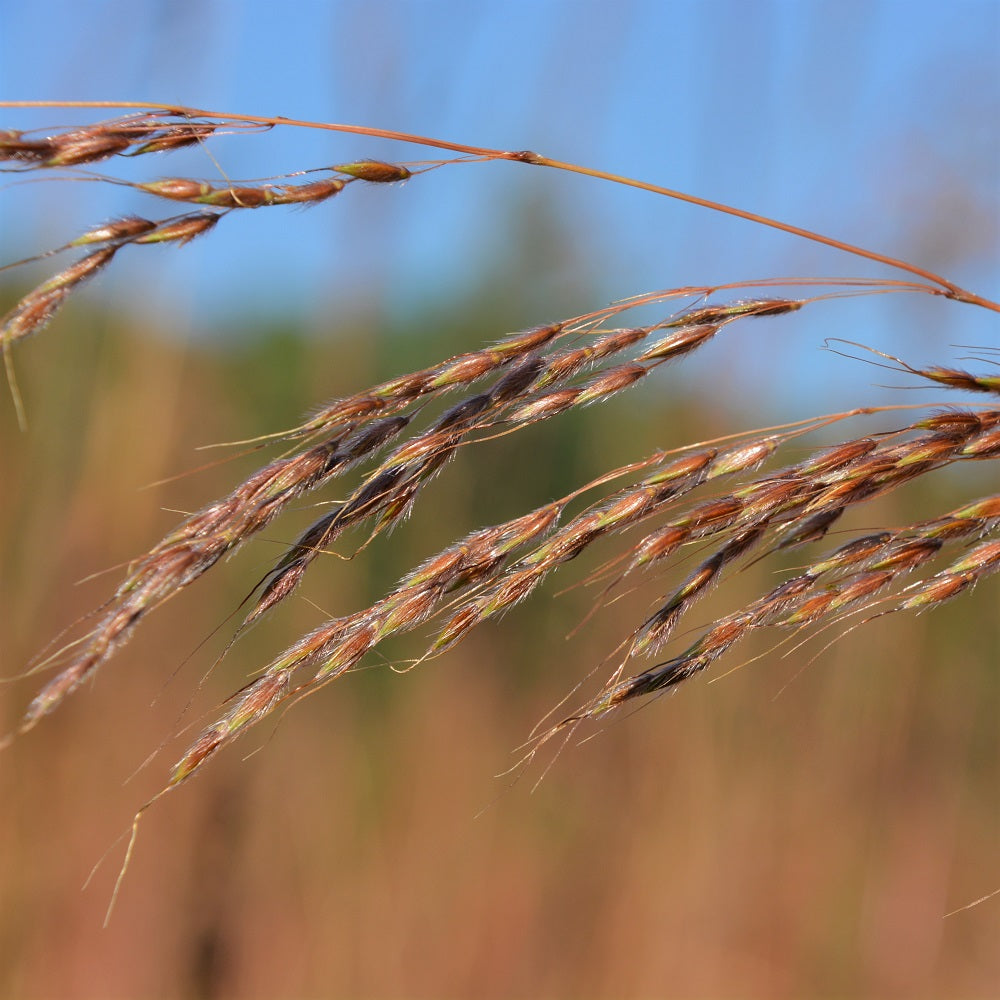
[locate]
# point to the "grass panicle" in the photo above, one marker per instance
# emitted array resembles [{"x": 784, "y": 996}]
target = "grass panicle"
[{"x": 713, "y": 507}]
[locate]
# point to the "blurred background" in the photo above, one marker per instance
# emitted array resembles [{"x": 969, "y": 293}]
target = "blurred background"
[{"x": 797, "y": 828}]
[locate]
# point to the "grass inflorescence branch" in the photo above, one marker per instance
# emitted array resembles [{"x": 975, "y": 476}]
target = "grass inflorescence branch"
[{"x": 716, "y": 504}]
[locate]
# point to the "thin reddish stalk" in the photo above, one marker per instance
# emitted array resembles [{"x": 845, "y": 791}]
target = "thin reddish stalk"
[{"x": 949, "y": 288}]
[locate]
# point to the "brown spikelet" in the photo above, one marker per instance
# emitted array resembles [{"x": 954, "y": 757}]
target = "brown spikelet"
[
  {"x": 196, "y": 755},
  {"x": 771, "y": 307},
  {"x": 119, "y": 229},
  {"x": 453, "y": 373},
  {"x": 176, "y": 136},
  {"x": 250, "y": 705},
  {"x": 956, "y": 378},
  {"x": 180, "y": 230},
  {"x": 984, "y": 445},
  {"x": 374, "y": 171},
  {"x": 680, "y": 342},
  {"x": 40, "y": 305},
  {"x": 13, "y": 146},
  {"x": 176, "y": 188},
  {"x": 345, "y": 653},
  {"x": 242, "y": 196},
  {"x": 938, "y": 590},
  {"x": 301, "y": 194},
  {"x": 237, "y": 197},
  {"x": 545, "y": 406},
  {"x": 75, "y": 150}
]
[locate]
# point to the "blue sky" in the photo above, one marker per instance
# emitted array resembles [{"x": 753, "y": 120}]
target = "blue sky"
[{"x": 876, "y": 122}]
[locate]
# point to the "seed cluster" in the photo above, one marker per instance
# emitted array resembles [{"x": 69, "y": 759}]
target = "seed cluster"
[{"x": 401, "y": 433}]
